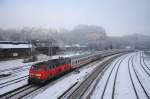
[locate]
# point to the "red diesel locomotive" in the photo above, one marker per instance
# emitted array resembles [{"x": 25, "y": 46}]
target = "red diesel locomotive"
[{"x": 43, "y": 71}]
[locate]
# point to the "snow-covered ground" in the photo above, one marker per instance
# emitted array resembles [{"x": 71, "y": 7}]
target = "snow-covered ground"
[
  {"x": 120, "y": 88},
  {"x": 57, "y": 89},
  {"x": 64, "y": 84},
  {"x": 61, "y": 85},
  {"x": 147, "y": 59},
  {"x": 24, "y": 71},
  {"x": 123, "y": 87}
]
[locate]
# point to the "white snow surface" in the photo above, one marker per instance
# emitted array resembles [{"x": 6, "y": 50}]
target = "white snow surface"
[
  {"x": 24, "y": 71},
  {"x": 53, "y": 92},
  {"x": 57, "y": 89},
  {"x": 123, "y": 86},
  {"x": 13, "y": 64}
]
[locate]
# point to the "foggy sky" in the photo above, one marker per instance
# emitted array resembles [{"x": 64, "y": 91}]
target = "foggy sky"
[{"x": 118, "y": 17}]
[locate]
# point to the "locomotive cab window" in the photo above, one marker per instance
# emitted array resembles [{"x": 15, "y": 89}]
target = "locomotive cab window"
[{"x": 40, "y": 66}]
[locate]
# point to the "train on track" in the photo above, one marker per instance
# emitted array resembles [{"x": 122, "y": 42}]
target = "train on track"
[{"x": 44, "y": 71}]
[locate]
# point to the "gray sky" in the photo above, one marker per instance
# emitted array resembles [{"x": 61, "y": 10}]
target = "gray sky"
[{"x": 118, "y": 17}]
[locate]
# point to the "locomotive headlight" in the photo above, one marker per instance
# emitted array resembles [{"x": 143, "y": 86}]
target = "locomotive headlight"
[{"x": 37, "y": 74}]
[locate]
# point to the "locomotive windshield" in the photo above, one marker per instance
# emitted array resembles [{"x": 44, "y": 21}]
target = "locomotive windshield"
[{"x": 38, "y": 66}]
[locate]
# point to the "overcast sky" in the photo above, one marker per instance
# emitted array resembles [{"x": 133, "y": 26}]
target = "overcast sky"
[{"x": 118, "y": 17}]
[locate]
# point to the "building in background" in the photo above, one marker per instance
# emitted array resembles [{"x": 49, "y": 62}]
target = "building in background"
[{"x": 14, "y": 49}]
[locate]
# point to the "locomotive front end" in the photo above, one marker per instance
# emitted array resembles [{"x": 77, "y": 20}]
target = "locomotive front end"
[{"x": 37, "y": 73}]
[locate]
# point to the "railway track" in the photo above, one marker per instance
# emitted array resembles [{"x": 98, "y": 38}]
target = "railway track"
[
  {"x": 14, "y": 68},
  {"x": 132, "y": 79},
  {"x": 19, "y": 92},
  {"x": 8, "y": 73},
  {"x": 77, "y": 92},
  {"x": 108, "y": 79},
  {"x": 143, "y": 65},
  {"x": 4, "y": 84},
  {"x": 114, "y": 84},
  {"x": 20, "y": 70},
  {"x": 144, "y": 62},
  {"x": 137, "y": 77},
  {"x": 26, "y": 90}
]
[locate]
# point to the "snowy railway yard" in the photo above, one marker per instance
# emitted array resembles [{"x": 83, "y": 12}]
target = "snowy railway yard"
[{"x": 116, "y": 77}]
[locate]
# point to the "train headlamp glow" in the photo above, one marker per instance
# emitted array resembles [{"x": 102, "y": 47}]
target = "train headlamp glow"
[
  {"x": 37, "y": 74},
  {"x": 32, "y": 74}
]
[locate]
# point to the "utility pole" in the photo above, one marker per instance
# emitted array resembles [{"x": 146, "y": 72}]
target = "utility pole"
[
  {"x": 31, "y": 48},
  {"x": 49, "y": 48}
]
